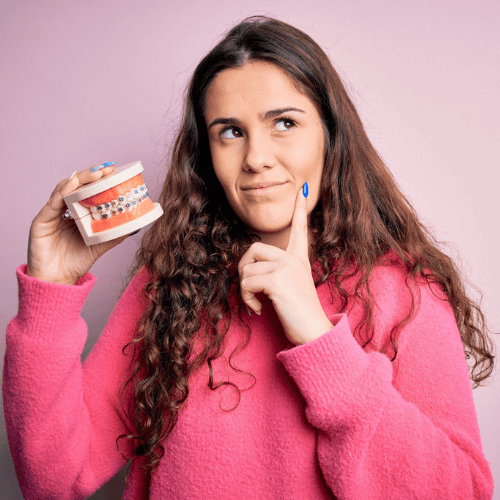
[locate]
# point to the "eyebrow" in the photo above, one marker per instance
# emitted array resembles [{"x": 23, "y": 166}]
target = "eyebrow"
[{"x": 263, "y": 116}]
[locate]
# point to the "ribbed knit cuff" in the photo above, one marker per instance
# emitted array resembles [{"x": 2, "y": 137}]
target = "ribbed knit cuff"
[
  {"x": 339, "y": 381},
  {"x": 325, "y": 356},
  {"x": 46, "y": 307}
]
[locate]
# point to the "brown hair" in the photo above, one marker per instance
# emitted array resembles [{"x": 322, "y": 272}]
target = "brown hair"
[{"x": 191, "y": 253}]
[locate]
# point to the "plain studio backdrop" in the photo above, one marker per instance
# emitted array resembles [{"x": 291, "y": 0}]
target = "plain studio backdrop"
[{"x": 88, "y": 82}]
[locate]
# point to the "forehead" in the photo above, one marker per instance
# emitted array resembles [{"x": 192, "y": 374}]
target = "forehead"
[{"x": 257, "y": 86}]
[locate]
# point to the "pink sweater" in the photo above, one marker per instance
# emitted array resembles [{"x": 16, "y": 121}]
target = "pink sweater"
[{"x": 326, "y": 419}]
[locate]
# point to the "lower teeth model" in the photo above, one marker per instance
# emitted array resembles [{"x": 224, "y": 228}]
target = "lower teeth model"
[{"x": 128, "y": 201}]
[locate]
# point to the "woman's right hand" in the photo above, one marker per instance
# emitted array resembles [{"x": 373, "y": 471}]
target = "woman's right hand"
[{"x": 56, "y": 250}]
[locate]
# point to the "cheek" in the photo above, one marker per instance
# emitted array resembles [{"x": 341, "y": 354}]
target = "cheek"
[
  {"x": 225, "y": 167},
  {"x": 308, "y": 159},
  {"x": 221, "y": 172},
  {"x": 227, "y": 181}
]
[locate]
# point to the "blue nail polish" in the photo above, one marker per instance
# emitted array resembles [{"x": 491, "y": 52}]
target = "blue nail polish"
[
  {"x": 305, "y": 189},
  {"x": 96, "y": 168},
  {"x": 109, "y": 163}
]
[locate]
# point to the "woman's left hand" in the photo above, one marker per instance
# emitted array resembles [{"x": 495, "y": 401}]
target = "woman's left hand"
[{"x": 285, "y": 277}]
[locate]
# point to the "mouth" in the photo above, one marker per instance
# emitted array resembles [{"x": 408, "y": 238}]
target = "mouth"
[
  {"x": 262, "y": 185},
  {"x": 124, "y": 197},
  {"x": 115, "y": 206}
]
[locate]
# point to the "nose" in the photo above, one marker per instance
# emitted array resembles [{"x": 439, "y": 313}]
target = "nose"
[{"x": 259, "y": 154}]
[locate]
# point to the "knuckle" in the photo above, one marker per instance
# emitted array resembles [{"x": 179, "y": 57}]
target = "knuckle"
[
  {"x": 243, "y": 272},
  {"x": 256, "y": 245},
  {"x": 243, "y": 284},
  {"x": 243, "y": 269}
]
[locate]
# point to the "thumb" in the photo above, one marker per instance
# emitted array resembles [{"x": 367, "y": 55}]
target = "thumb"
[{"x": 298, "y": 244}]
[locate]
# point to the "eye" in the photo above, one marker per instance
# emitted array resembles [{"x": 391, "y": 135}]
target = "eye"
[
  {"x": 284, "y": 124},
  {"x": 231, "y": 133}
]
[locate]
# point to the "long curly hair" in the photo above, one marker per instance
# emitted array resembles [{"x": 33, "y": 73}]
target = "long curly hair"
[{"x": 191, "y": 253}]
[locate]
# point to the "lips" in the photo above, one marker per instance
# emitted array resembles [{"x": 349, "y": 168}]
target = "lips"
[
  {"x": 120, "y": 204},
  {"x": 113, "y": 193},
  {"x": 262, "y": 185}
]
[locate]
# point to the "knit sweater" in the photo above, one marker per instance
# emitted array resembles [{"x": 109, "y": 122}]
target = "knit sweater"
[{"x": 326, "y": 419}]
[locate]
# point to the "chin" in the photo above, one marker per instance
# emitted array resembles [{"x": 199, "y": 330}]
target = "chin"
[{"x": 269, "y": 228}]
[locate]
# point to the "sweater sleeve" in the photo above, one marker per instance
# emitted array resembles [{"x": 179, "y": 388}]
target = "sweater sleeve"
[
  {"x": 63, "y": 418},
  {"x": 400, "y": 430}
]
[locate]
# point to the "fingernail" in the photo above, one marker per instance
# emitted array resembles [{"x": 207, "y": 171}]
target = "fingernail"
[
  {"x": 305, "y": 189},
  {"x": 109, "y": 163},
  {"x": 248, "y": 310},
  {"x": 73, "y": 175},
  {"x": 96, "y": 168},
  {"x": 258, "y": 313}
]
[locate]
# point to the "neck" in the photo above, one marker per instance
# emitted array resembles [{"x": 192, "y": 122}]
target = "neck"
[{"x": 280, "y": 239}]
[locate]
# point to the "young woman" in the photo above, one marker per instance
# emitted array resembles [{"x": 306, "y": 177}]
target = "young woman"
[{"x": 292, "y": 330}]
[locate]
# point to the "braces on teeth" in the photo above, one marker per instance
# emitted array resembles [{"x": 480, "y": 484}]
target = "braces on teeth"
[{"x": 127, "y": 201}]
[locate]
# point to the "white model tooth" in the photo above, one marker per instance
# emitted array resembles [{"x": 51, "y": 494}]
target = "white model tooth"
[
  {"x": 93, "y": 210},
  {"x": 121, "y": 198},
  {"x": 100, "y": 208},
  {"x": 120, "y": 208},
  {"x": 96, "y": 215},
  {"x": 128, "y": 196},
  {"x": 129, "y": 206},
  {"x": 106, "y": 215},
  {"x": 114, "y": 203}
]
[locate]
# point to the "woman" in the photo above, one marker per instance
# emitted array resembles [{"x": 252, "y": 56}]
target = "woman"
[{"x": 292, "y": 276}]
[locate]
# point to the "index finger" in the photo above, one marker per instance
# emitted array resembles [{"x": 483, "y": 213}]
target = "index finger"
[
  {"x": 298, "y": 244},
  {"x": 56, "y": 203},
  {"x": 87, "y": 176}
]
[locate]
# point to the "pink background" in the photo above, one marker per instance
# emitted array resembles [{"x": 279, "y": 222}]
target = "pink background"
[{"x": 89, "y": 82}]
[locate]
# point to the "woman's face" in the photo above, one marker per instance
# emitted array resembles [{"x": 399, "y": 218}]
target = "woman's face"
[{"x": 266, "y": 140}]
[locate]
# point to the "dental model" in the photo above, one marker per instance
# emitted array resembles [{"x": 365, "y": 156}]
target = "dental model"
[{"x": 113, "y": 206}]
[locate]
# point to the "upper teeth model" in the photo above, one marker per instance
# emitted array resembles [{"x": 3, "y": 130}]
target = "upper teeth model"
[{"x": 127, "y": 201}]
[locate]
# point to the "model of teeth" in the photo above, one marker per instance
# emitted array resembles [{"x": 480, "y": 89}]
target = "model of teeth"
[
  {"x": 115, "y": 205},
  {"x": 128, "y": 201}
]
